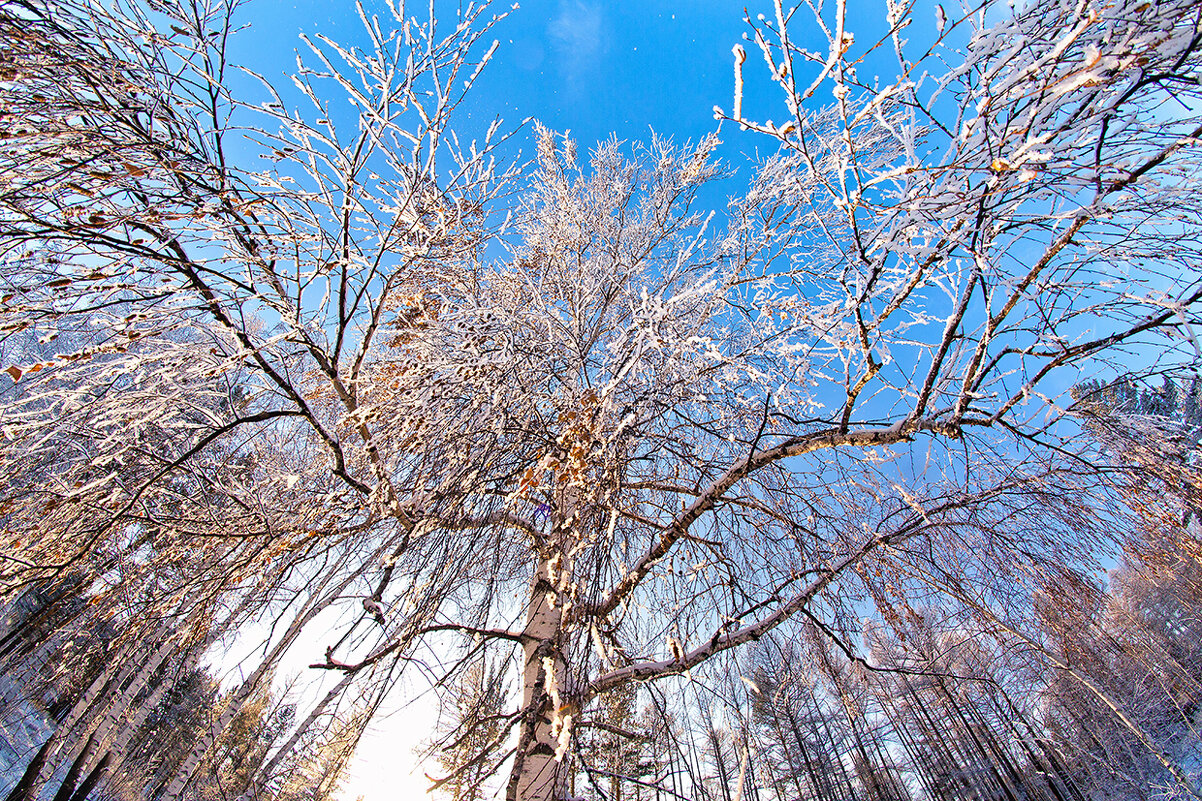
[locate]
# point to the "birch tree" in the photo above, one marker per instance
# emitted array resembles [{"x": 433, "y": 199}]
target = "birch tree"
[
  {"x": 859, "y": 372},
  {"x": 902, "y": 284},
  {"x": 180, "y": 326},
  {"x": 642, "y": 433}
]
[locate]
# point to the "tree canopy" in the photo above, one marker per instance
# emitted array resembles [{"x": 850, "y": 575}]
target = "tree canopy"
[{"x": 356, "y": 381}]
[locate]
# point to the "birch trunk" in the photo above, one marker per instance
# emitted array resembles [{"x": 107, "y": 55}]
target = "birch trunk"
[
  {"x": 539, "y": 772},
  {"x": 117, "y": 751},
  {"x": 267, "y": 771},
  {"x": 107, "y": 697},
  {"x": 119, "y": 706},
  {"x": 540, "y": 767}
]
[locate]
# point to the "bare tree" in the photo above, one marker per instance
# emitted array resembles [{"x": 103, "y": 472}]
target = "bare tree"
[
  {"x": 665, "y": 431},
  {"x": 180, "y": 328}
]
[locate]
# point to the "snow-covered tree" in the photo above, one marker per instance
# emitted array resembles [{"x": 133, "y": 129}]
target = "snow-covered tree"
[{"x": 626, "y": 433}]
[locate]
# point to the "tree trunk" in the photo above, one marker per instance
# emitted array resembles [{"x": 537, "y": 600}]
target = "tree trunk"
[
  {"x": 90, "y": 782},
  {"x": 24, "y": 789},
  {"x": 103, "y": 700},
  {"x": 539, "y": 770},
  {"x": 540, "y": 765},
  {"x": 67, "y": 788}
]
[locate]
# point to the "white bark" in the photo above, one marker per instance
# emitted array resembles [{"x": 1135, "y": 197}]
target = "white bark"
[
  {"x": 120, "y": 742},
  {"x": 135, "y": 669},
  {"x": 549, "y": 701},
  {"x": 538, "y": 774}
]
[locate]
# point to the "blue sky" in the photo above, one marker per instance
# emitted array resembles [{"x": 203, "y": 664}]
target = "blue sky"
[
  {"x": 597, "y": 68},
  {"x": 590, "y": 67}
]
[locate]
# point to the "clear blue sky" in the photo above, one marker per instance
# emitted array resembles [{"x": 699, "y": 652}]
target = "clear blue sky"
[
  {"x": 587, "y": 66},
  {"x": 598, "y": 68}
]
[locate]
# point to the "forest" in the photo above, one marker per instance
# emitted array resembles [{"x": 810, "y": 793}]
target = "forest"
[{"x": 867, "y": 468}]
